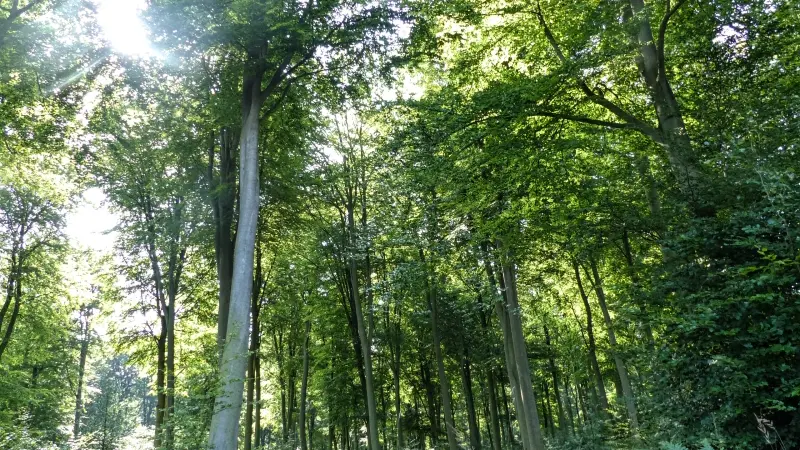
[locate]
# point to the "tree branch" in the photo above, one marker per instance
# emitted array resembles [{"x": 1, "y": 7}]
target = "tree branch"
[
  {"x": 662, "y": 31},
  {"x": 631, "y": 120}
]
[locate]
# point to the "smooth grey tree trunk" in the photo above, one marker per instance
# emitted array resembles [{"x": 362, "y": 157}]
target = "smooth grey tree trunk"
[
  {"x": 366, "y": 352},
  {"x": 598, "y": 376},
  {"x": 500, "y": 308},
  {"x": 444, "y": 381},
  {"x": 652, "y": 66},
  {"x": 527, "y": 393},
  {"x": 228, "y": 403},
  {"x": 622, "y": 369},
  {"x": 304, "y": 389}
]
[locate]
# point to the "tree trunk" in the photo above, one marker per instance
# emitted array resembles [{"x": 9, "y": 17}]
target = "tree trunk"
[
  {"x": 85, "y": 338},
  {"x": 472, "y": 418},
  {"x": 228, "y": 403},
  {"x": 651, "y": 64},
  {"x": 622, "y": 370},
  {"x": 556, "y": 391},
  {"x": 161, "y": 394},
  {"x": 257, "y": 405},
  {"x": 568, "y": 398},
  {"x": 507, "y": 416},
  {"x": 500, "y": 308},
  {"x": 548, "y": 410},
  {"x": 304, "y": 389},
  {"x": 527, "y": 394},
  {"x": 397, "y": 406},
  {"x": 425, "y": 376},
  {"x": 255, "y": 307},
  {"x": 222, "y": 201},
  {"x": 444, "y": 381},
  {"x": 493, "y": 410},
  {"x": 644, "y": 322},
  {"x": 170, "y": 363},
  {"x": 598, "y": 377},
  {"x": 16, "y": 287}
]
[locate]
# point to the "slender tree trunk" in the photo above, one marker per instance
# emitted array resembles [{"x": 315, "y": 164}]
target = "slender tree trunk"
[
  {"x": 161, "y": 394},
  {"x": 472, "y": 417},
  {"x": 228, "y": 403},
  {"x": 397, "y": 405},
  {"x": 444, "y": 381},
  {"x": 257, "y": 405},
  {"x": 582, "y": 401},
  {"x": 17, "y": 288},
  {"x": 361, "y": 326},
  {"x": 248, "y": 415},
  {"x": 366, "y": 351},
  {"x": 493, "y": 410},
  {"x": 548, "y": 410},
  {"x": 222, "y": 201},
  {"x": 622, "y": 369},
  {"x": 556, "y": 391},
  {"x": 507, "y": 416},
  {"x": 568, "y": 398},
  {"x": 277, "y": 342},
  {"x": 304, "y": 389},
  {"x": 527, "y": 394},
  {"x": 598, "y": 377},
  {"x": 425, "y": 376},
  {"x": 170, "y": 391},
  {"x": 255, "y": 306},
  {"x": 644, "y": 322},
  {"x": 292, "y": 389},
  {"x": 501, "y": 309},
  {"x": 85, "y": 338}
]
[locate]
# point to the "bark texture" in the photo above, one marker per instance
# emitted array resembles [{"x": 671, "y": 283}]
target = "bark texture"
[{"x": 228, "y": 403}]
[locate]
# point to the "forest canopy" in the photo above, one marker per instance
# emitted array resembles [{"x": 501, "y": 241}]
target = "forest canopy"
[{"x": 399, "y": 224}]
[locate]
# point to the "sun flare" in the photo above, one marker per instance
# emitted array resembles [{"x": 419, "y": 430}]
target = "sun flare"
[{"x": 122, "y": 26}]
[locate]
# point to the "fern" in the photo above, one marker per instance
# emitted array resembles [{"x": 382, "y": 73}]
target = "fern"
[{"x": 672, "y": 446}]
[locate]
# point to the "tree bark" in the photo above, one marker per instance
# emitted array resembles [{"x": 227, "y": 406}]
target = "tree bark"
[
  {"x": 161, "y": 394},
  {"x": 85, "y": 314},
  {"x": 14, "y": 314},
  {"x": 433, "y": 417},
  {"x": 598, "y": 377},
  {"x": 255, "y": 306},
  {"x": 622, "y": 369},
  {"x": 644, "y": 321},
  {"x": 222, "y": 201},
  {"x": 257, "y": 415},
  {"x": 304, "y": 389},
  {"x": 501, "y": 309},
  {"x": 366, "y": 344},
  {"x": 493, "y": 410},
  {"x": 527, "y": 394},
  {"x": 652, "y": 66},
  {"x": 170, "y": 366},
  {"x": 397, "y": 405},
  {"x": 472, "y": 417},
  {"x": 228, "y": 404},
  {"x": 444, "y": 381},
  {"x": 556, "y": 391}
]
